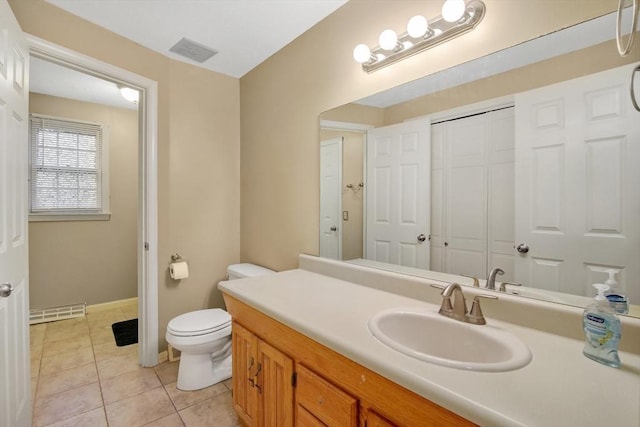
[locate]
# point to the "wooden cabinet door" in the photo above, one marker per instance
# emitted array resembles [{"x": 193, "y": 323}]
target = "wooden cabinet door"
[
  {"x": 274, "y": 384},
  {"x": 305, "y": 418},
  {"x": 245, "y": 365}
]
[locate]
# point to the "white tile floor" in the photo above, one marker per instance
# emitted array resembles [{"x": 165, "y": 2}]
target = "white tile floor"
[{"x": 81, "y": 378}]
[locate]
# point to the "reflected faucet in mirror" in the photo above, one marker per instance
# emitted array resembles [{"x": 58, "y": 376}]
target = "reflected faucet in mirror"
[{"x": 491, "y": 279}]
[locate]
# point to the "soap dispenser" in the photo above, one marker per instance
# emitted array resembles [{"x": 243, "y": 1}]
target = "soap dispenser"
[
  {"x": 602, "y": 330},
  {"x": 617, "y": 299}
]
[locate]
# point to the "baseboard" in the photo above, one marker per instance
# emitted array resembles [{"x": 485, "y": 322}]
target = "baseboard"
[{"x": 111, "y": 305}]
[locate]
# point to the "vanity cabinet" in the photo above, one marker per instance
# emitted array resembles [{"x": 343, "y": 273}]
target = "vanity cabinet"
[
  {"x": 283, "y": 378},
  {"x": 262, "y": 381}
]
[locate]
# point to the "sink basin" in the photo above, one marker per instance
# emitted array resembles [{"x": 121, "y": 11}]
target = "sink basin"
[{"x": 431, "y": 337}]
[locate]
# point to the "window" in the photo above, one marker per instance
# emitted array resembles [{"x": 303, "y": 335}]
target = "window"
[{"x": 68, "y": 170}]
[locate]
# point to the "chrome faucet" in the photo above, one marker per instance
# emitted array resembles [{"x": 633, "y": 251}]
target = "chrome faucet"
[
  {"x": 458, "y": 309},
  {"x": 491, "y": 280}
]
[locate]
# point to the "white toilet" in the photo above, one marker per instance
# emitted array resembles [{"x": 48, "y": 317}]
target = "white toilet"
[{"x": 204, "y": 339}]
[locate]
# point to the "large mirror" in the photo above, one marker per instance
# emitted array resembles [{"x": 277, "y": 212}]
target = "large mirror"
[{"x": 519, "y": 167}]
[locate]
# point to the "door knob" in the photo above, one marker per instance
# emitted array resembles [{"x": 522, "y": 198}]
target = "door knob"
[
  {"x": 5, "y": 289},
  {"x": 333, "y": 228},
  {"x": 523, "y": 248},
  {"x": 422, "y": 238}
]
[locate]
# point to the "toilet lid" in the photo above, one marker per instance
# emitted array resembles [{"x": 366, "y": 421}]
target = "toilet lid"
[{"x": 199, "y": 322}]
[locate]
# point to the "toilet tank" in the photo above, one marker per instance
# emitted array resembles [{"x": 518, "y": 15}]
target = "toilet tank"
[{"x": 239, "y": 271}]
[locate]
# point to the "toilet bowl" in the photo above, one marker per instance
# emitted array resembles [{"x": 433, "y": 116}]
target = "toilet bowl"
[{"x": 203, "y": 338}]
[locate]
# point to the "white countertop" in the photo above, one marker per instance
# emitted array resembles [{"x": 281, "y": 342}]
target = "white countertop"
[{"x": 560, "y": 387}]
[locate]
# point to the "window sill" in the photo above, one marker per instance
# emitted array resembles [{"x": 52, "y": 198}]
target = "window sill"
[{"x": 47, "y": 217}]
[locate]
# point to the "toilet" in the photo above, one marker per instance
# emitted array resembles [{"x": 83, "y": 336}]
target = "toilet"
[{"x": 204, "y": 339}]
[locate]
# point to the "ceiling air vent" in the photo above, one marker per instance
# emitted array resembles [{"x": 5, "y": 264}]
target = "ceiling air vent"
[{"x": 192, "y": 50}]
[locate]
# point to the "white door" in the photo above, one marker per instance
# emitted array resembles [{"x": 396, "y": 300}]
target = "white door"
[
  {"x": 398, "y": 194},
  {"x": 331, "y": 198},
  {"x": 577, "y": 175},
  {"x": 15, "y": 394},
  {"x": 466, "y": 147},
  {"x": 501, "y": 201},
  {"x": 472, "y": 194}
]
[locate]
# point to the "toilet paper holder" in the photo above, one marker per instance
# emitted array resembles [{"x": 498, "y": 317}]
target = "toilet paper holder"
[
  {"x": 176, "y": 257},
  {"x": 178, "y": 267}
]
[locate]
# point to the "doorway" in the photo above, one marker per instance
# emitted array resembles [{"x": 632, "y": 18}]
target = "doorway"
[
  {"x": 330, "y": 198},
  {"x": 83, "y": 192},
  {"x": 146, "y": 246}
]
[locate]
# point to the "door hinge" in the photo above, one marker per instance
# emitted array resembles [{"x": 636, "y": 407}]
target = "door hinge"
[{"x": 294, "y": 378}]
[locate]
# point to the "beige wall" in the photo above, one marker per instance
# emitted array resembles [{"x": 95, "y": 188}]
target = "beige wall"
[
  {"x": 282, "y": 98},
  {"x": 355, "y": 113},
  {"x": 352, "y": 199},
  {"x": 90, "y": 261},
  {"x": 198, "y": 154}
]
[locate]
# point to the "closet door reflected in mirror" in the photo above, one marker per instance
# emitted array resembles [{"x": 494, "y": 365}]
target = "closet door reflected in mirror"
[{"x": 472, "y": 194}]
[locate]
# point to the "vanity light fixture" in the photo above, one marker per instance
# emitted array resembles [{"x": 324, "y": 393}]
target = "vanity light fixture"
[{"x": 457, "y": 18}]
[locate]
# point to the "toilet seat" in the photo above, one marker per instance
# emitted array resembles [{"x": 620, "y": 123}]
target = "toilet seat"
[{"x": 200, "y": 322}]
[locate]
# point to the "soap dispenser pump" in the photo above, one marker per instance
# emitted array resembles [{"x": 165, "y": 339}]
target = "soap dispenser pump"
[
  {"x": 602, "y": 330},
  {"x": 617, "y": 299}
]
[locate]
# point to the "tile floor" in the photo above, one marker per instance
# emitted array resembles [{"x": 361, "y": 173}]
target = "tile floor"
[{"x": 80, "y": 378}]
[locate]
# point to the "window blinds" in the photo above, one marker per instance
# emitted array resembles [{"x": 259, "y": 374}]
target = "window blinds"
[{"x": 66, "y": 171}]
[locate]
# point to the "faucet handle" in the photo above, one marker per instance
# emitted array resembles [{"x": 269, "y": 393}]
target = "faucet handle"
[
  {"x": 503, "y": 286},
  {"x": 476, "y": 283},
  {"x": 475, "y": 315},
  {"x": 446, "y": 307}
]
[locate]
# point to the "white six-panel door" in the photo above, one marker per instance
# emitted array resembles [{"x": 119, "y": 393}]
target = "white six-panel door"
[
  {"x": 15, "y": 394},
  {"x": 331, "y": 198},
  {"x": 398, "y": 194},
  {"x": 577, "y": 184}
]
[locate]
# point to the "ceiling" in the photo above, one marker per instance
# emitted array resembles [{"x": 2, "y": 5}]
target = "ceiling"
[
  {"x": 218, "y": 24},
  {"x": 56, "y": 80},
  {"x": 244, "y": 32}
]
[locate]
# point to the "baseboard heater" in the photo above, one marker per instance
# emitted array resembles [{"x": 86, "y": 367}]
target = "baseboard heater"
[{"x": 51, "y": 314}]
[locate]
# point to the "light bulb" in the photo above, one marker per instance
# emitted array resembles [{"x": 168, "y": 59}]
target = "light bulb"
[
  {"x": 388, "y": 39},
  {"x": 361, "y": 53},
  {"x": 452, "y": 10},
  {"x": 417, "y": 26},
  {"x": 129, "y": 94}
]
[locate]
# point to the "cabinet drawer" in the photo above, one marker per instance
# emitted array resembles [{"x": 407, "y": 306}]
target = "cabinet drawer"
[{"x": 325, "y": 401}]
